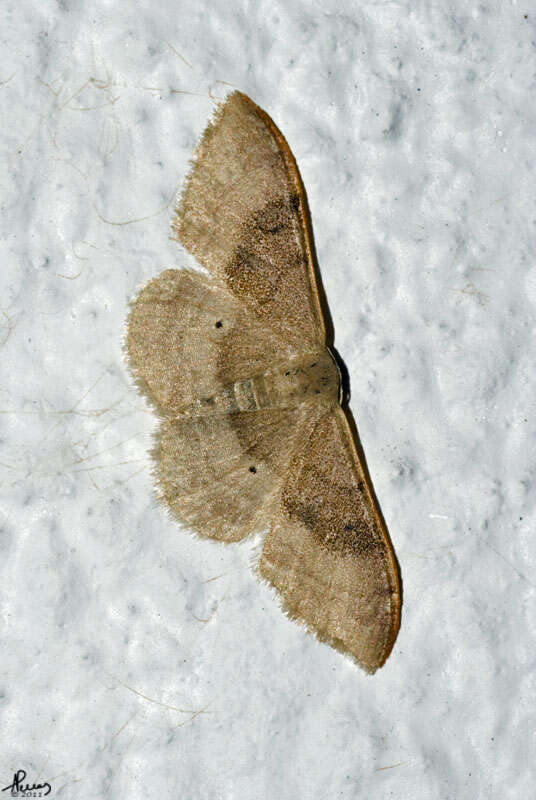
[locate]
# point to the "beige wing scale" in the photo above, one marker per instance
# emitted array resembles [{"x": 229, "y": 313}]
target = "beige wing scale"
[
  {"x": 223, "y": 474},
  {"x": 328, "y": 553},
  {"x": 187, "y": 339},
  {"x": 243, "y": 215}
]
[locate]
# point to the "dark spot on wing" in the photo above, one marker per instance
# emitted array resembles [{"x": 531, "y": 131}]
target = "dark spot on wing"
[
  {"x": 250, "y": 275},
  {"x": 268, "y": 266},
  {"x": 276, "y": 216},
  {"x": 334, "y": 513}
]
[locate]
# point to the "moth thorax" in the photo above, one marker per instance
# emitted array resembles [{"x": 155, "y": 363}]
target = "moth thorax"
[{"x": 302, "y": 379}]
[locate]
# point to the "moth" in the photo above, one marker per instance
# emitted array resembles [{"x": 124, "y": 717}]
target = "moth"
[{"x": 238, "y": 361}]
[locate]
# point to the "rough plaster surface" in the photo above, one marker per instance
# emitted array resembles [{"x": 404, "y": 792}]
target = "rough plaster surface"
[{"x": 139, "y": 662}]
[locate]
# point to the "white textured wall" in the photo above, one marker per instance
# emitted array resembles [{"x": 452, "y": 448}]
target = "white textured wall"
[{"x": 413, "y": 125}]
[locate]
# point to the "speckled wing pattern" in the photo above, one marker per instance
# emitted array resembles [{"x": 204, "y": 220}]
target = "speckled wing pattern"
[
  {"x": 252, "y": 435},
  {"x": 327, "y": 552},
  {"x": 242, "y": 214}
]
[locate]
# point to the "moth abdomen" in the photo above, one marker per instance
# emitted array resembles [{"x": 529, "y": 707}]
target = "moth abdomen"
[{"x": 310, "y": 377}]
